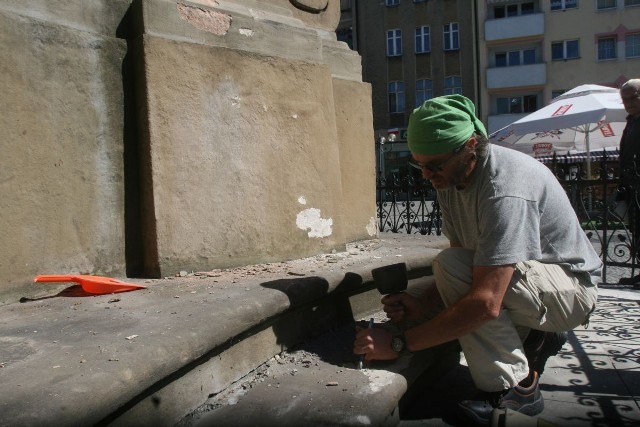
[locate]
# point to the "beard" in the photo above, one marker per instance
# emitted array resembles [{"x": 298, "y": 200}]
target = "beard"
[{"x": 458, "y": 176}]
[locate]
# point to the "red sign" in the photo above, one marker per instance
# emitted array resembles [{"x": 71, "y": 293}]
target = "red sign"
[
  {"x": 562, "y": 110},
  {"x": 542, "y": 148},
  {"x": 607, "y": 130}
]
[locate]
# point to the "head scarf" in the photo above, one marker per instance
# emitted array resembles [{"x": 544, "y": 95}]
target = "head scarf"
[{"x": 442, "y": 124}]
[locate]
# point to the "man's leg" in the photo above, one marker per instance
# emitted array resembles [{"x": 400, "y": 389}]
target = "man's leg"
[
  {"x": 542, "y": 297},
  {"x": 545, "y": 297},
  {"x": 494, "y": 351}
]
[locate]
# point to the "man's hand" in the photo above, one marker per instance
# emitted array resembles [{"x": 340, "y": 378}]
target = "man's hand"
[
  {"x": 402, "y": 306},
  {"x": 374, "y": 343}
]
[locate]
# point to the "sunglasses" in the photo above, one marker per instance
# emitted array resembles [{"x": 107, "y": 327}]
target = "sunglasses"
[{"x": 438, "y": 166}]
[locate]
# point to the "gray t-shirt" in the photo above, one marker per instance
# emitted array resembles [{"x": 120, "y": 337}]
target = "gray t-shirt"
[{"x": 516, "y": 210}]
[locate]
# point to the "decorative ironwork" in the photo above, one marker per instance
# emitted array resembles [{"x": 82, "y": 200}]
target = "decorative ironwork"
[
  {"x": 607, "y": 207},
  {"x": 408, "y": 204}
]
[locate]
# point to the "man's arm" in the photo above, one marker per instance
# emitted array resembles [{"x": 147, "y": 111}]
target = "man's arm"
[{"x": 481, "y": 304}]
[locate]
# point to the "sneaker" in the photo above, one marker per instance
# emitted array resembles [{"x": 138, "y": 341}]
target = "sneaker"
[
  {"x": 629, "y": 281},
  {"x": 525, "y": 400},
  {"x": 540, "y": 346}
]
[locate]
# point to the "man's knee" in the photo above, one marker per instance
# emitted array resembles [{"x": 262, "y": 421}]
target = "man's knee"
[
  {"x": 453, "y": 260},
  {"x": 453, "y": 269}
]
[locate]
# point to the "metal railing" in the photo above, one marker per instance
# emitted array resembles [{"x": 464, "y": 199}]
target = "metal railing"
[{"x": 606, "y": 208}]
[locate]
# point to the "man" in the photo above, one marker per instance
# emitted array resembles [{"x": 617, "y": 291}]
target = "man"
[
  {"x": 630, "y": 162},
  {"x": 519, "y": 265}
]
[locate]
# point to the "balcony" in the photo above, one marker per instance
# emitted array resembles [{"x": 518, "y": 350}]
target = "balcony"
[
  {"x": 517, "y": 76},
  {"x": 515, "y": 27}
]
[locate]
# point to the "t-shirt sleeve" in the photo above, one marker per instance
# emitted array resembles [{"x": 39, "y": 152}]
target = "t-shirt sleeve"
[
  {"x": 509, "y": 231},
  {"x": 447, "y": 225}
]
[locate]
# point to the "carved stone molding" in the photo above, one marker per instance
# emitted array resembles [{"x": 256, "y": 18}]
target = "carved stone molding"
[{"x": 311, "y": 6}]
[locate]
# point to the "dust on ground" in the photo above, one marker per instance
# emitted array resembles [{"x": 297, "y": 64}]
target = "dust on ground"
[{"x": 333, "y": 347}]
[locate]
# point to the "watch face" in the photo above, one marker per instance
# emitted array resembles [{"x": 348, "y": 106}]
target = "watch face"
[{"x": 397, "y": 344}]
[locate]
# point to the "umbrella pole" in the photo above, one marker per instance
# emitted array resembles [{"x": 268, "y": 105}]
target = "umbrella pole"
[
  {"x": 586, "y": 143},
  {"x": 590, "y": 194}
]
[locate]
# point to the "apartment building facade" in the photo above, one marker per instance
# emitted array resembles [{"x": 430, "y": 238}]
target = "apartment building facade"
[
  {"x": 532, "y": 51},
  {"x": 412, "y": 50},
  {"x": 511, "y": 57}
]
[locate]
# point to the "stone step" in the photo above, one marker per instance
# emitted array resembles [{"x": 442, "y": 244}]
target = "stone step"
[
  {"x": 152, "y": 356},
  {"x": 318, "y": 383}
]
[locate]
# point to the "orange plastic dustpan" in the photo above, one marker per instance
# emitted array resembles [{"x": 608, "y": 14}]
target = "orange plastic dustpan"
[{"x": 92, "y": 284}]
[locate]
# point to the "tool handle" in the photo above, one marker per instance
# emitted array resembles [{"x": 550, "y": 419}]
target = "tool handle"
[
  {"x": 361, "y": 361},
  {"x": 55, "y": 278}
]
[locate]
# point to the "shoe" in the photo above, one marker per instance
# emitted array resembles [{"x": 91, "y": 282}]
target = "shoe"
[
  {"x": 525, "y": 400},
  {"x": 630, "y": 281},
  {"x": 540, "y": 346}
]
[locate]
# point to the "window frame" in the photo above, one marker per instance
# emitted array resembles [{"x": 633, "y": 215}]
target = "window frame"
[
  {"x": 563, "y": 5},
  {"x": 636, "y": 45},
  {"x": 426, "y": 90},
  {"x": 455, "y": 87},
  {"x": 398, "y": 95},
  {"x": 524, "y": 104},
  {"x": 394, "y": 36},
  {"x": 421, "y": 37},
  {"x": 604, "y": 7},
  {"x": 604, "y": 49},
  {"x": 451, "y": 36},
  {"x": 522, "y": 55},
  {"x": 565, "y": 43}
]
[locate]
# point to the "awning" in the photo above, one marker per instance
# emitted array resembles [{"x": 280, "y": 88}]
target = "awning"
[{"x": 596, "y": 156}]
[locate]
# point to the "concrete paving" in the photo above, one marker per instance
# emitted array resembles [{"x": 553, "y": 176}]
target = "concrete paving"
[{"x": 593, "y": 381}]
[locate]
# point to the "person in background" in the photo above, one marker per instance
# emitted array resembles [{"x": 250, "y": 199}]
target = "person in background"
[
  {"x": 519, "y": 271},
  {"x": 630, "y": 166}
]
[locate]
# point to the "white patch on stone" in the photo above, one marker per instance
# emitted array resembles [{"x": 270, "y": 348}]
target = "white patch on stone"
[
  {"x": 248, "y": 32},
  {"x": 295, "y": 116},
  {"x": 310, "y": 219},
  {"x": 235, "y": 101},
  {"x": 302, "y": 200},
  {"x": 378, "y": 379},
  {"x": 364, "y": 420},
  {"x": 372, "y": 227}
]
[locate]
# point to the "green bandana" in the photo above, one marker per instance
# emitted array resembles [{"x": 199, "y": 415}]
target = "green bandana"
[{"x": 442, "y": 124}]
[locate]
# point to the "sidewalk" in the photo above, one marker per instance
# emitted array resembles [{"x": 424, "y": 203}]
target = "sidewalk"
[{"x": 593, "y": 381}]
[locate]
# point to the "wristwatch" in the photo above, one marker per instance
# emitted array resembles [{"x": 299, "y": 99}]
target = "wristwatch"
[{"x": 399, "y": 343}]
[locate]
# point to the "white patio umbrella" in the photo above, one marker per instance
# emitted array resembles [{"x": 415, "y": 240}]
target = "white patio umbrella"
[{"x": 587, "y": 117}]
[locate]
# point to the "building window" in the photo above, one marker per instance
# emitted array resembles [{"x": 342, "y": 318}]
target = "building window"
[
  {"x": 632, "y": 45},
  {"x": 451, "y": 36},
  {"x": 515, "y": 57},
  {"x": 452, "y": 85},
  {"x": 391, "y": 2},
  {"x": 424, "y": 90},
  {"x": 507, "y": 11},
  {"x": 423, "y": 39},
  {"x": 606, "y": 4},
  {"x": 631, "y": 3},
  {"x": 568, "y": 49},
  {"x": 396, "y": 97},
  {"x": 607, "y": 48},
  {"x": 394, "y": 42},
  {"x": 517, "y": 104},
  {"x": 563, "y": 4}
]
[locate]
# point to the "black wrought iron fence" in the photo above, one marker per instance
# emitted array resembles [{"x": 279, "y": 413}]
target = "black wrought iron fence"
[{"x": 607, "y": 208}]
